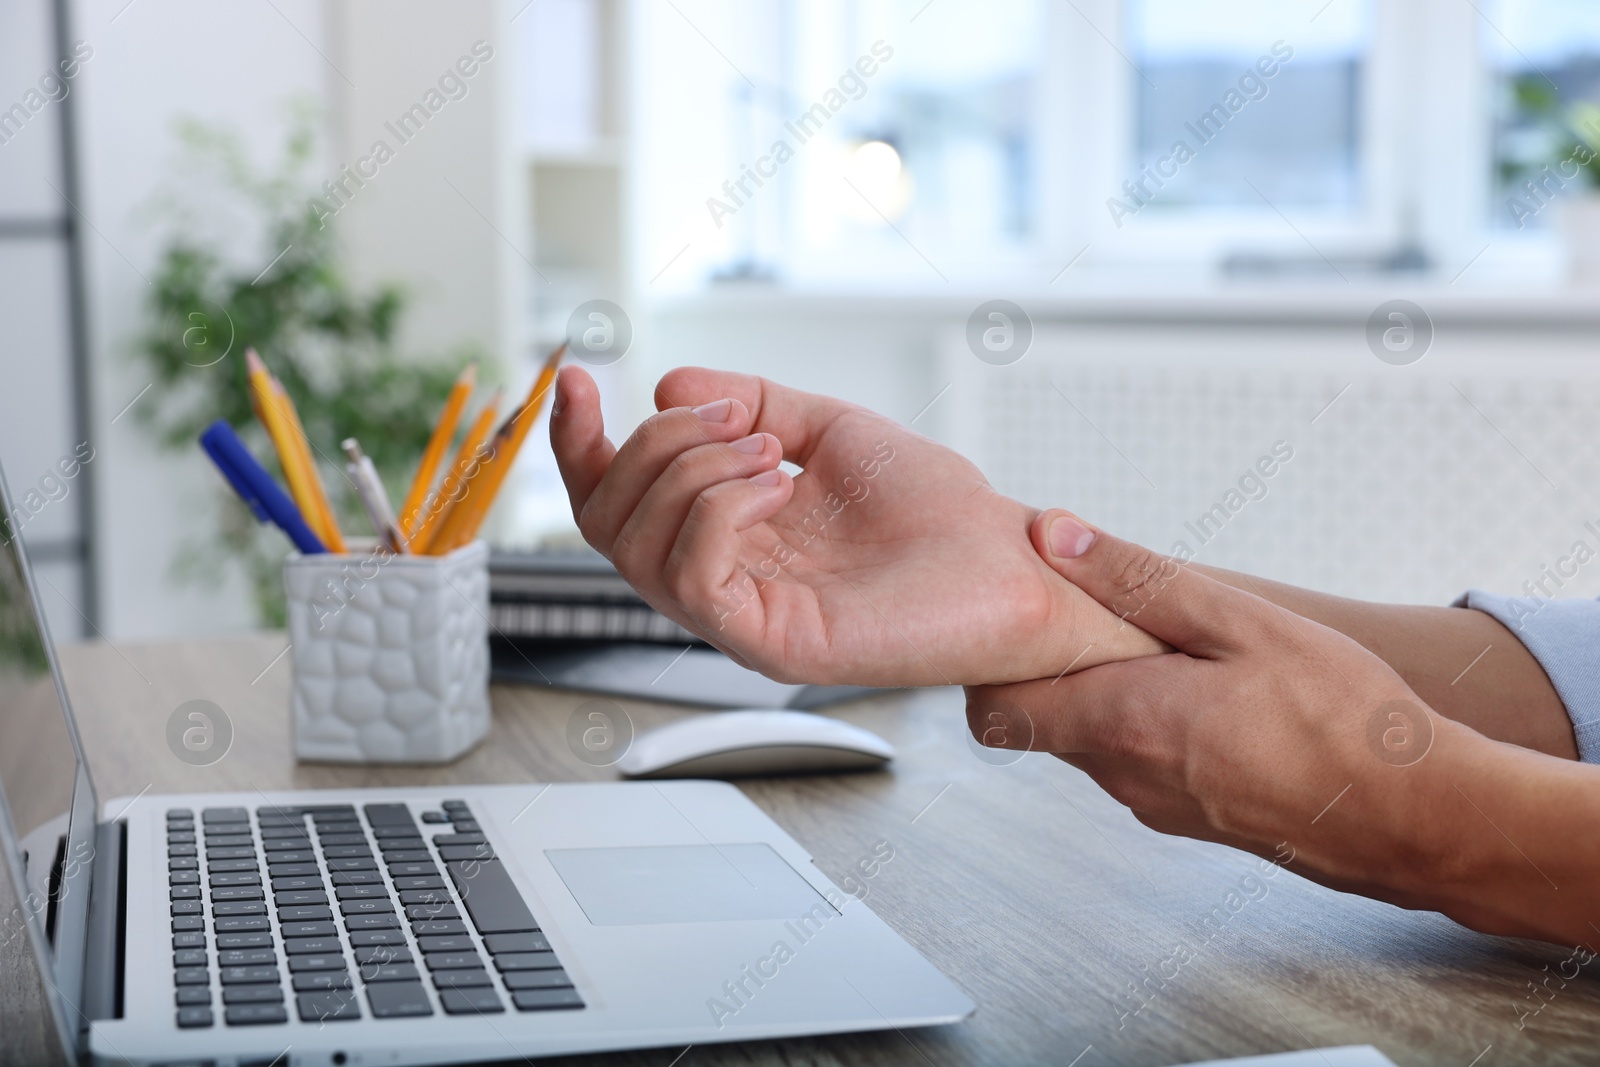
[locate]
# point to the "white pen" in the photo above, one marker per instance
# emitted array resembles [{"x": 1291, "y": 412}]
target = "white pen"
[{"x": 373, "y": 497}]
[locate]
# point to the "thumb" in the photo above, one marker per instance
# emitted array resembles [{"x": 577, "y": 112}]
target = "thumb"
[{"x": 1156, "y": 593}]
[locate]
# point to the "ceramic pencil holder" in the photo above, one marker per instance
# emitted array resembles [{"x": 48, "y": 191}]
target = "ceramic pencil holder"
[{"x": 391, "y": 654}]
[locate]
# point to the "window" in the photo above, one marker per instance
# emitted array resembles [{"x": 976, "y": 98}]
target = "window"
[
  {"x": 1543, "y": 60},
  {"x": 1270, "y": 106}
]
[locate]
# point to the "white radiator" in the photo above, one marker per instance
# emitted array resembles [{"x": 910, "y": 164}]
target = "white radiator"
[{"x": 1477, "y": 466}]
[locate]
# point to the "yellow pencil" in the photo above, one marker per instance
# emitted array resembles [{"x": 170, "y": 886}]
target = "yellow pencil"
[
  {"x": 468, "y": 459},
  {"x": 334, "y": 539},
  {"x": 461, "y": 525},
  {"x": 460, "y": 393},
  {"x": 270, "y": 410}
]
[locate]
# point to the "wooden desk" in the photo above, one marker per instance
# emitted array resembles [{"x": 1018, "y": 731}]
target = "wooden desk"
[{"x": 1033, "y": 890}]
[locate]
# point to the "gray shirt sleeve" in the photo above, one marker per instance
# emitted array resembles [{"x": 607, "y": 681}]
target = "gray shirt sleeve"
[{"x": 1564, "y": 636}]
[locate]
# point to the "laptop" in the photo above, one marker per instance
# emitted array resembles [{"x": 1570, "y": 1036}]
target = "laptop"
[{"x": 413, "y": 926}]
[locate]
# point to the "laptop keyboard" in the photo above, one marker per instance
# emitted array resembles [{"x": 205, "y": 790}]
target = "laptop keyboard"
[{"x": 315, "y": 909}]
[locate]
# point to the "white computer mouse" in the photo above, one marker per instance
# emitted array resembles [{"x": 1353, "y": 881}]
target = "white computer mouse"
[{"x": 734, "y": 744}]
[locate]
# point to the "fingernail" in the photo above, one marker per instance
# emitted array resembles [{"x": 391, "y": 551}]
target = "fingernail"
[
  {"x": 560, "y": 400},
  {"x": 753, "y": 445},
  {"x": 767, "y": 479},
  {"x": 716, "y": 411},
  {"x": 1069, "y": 538}
]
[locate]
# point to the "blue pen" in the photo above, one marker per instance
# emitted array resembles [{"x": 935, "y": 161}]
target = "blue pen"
[{"x": 256, "y": 487}]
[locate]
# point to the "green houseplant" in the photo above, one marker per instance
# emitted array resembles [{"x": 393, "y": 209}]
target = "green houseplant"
[{"x": 334, "y": 349}]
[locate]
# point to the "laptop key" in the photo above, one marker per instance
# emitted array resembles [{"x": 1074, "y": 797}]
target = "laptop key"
[
  {"x": 191, "y": 957},
  {"x": 346, "y": 851},
  {"x": 393, "y": 1000},
  {"x": 308, "y": 929},
  {"x": 240, "y": 924},
  {"x": 383, "y": 954},
  {"x": 342, "y": 839},
  {"x": 430, "y": 881},
  {"x": 184, "y": 892},
  {"x": 191, "y": 995},
  {"x": 466, "y": 826},
  {"x": 412, "y": 870},
  {"x": 407, "y": 855},
  {"x": 187, "y": 907},
  {"x": 255, "y": 1014},
  {"x": 229, "y": 853},
  {"x": 191, "y": 976},
  {"x": 369, "y": 938},
  {"x": 454, "y": 805},
  {"x": 292, "y": 870},
  {"x": 182, "y": 850},
  {"x": 229, "y": 841},
  {"x": 492, "y": 899},
  {"x": 245, "y": 957},
  {"x": 525, "y": 961},
  {"x": 409, "y": 829},
  {"x": 356, "y": 878},
  {"x": 446, "y": 944},
  {"x": 235, "y": 892},
  {"x": 185, "y": 923},
  {"x": 470, "y": 1001},
  {"x": 466, "y": 852},
  {"x": 253, "y": 994},
  {"x": 304, "y": 881},
  {"x": 190, "y": 1018},
  {"x": 497, "y": 943},
  {"x": 286, "y": 844},
  {"x": 319, "y": 961},
  {"x": 183, "y": 878},
  {"x": 239, "y": 907},
  {"x": 462, "y": 979},
  {"x": 425, "y": 896},
  {"x": 401, "y": 844},
  {"x": 352, "y": 863},
  {"x": 366, "y": 906},
  {"x": 546, "y": 999},
  {"x": 361, "y": 892},
  {"x": 435, "y": 927},
  {"x": 435, "y": 910},
  {"x": 299, "y": 855},
  {"x": 300, "y": 897},
  {"x": 186, "y": 814},
  {"x": 299, "y": 913},
  {"x": 212, "y": 815},
  {"x": 388, "y": 972},
  {"x": 314, "y": 981},
  {"x": 243, "y": 940},
  {"x": 371, "y": 922},
  {"x": 445, "y": 961},
  {"x": 552, "y": 979},
  {"x": 297, "y": 946},
  {"x": 182, "y": 863},
  {"x": 442, "y": 840},
  {"x": 248, "y": 975},
  {"x": 235, "y": 878},
  {"x": 329, "y": 1006},
  {"x": 229, "y": 866},
  {"x": 190, "y": 939},
  {"x": 435, "y": 816}
]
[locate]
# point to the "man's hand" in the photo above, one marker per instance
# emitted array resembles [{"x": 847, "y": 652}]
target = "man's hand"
[
  {"x": 889, "y": 560},
  {"x": 1263, "y": 730}
]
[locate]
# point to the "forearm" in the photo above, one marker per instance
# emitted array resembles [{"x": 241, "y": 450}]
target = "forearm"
[
  {"x": 1463, "y": 663},
  {"x": 1518, "y": 854}
]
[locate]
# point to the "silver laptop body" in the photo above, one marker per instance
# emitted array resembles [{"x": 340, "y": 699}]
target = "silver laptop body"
[{"x": 419, "y": 925}]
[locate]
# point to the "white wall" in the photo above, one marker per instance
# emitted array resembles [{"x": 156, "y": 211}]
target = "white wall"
[{"x": 239, "y": 64}]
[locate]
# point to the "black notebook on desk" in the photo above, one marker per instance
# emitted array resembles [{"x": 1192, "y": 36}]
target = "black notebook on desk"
[{"x": 565, "y": 618}]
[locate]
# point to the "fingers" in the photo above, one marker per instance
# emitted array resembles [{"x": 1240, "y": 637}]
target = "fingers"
[
  {"x": 646, "y": 455},
  {"x": 794, "y": 417},
  {"x": 705, "y": 571},
  {"x": 577, "y": 435},
  {"x": 641, "y": 548},
  {"x": 1156, "y": 593}
]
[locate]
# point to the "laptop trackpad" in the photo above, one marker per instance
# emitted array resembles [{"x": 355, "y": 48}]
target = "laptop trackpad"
[{"x": 683, "y": 884}]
